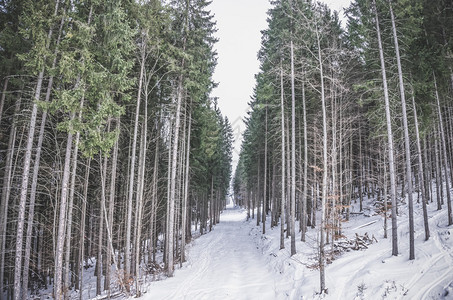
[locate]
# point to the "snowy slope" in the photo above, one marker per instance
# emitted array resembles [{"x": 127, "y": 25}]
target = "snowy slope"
[
  {"x": 235, "y": 261},
  {"x": 373, "y": 273}
]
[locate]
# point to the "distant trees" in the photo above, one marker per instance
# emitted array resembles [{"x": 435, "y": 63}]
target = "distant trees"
[
  {"x": 356, "y": 134},
  {"x": 103, "y": 104}
]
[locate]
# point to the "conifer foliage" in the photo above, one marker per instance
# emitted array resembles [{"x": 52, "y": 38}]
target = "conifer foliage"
[{"x": 111, "y": 149}]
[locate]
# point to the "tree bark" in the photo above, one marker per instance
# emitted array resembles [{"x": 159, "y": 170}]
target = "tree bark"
[
  {"x": 6, "y": 190},
  {"x": 389, "y": 137},
  {"x": 443, "y": 147},
  {"x": 186, "y": 193},
  {"x": 82, "y": 227},
  {"x": 109, "y": 255},
  {"x": 406, "y": 140},
  {"x": 3, "y": 99},
  {"x": 293, "y": 156},
  {"x": 420, "y": 171},
  {"x": 283, "y": 200},
  {"x": 127, "y": 253},
  {"x": 58, "y": 280},
  {"x": 325, "y": 170},
  {"x": 305, "y": 185}
]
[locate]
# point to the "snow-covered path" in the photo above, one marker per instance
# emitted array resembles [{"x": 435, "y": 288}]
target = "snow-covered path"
[{"x": 223, "y": 264}]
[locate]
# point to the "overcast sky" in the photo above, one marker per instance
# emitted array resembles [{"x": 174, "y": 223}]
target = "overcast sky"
[{"x": 239, "y": 23}]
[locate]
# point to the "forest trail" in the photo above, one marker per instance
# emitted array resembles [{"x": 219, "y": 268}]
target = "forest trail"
[{"x": 223, "y": 264}]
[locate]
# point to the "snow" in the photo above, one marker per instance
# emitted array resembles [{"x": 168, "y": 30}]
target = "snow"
[
  {"x": 223, "y": 264},
  {"x": 236, "y": 261}
]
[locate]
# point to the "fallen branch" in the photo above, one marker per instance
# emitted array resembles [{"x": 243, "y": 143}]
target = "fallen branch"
[{"x": 364, "y": 225}]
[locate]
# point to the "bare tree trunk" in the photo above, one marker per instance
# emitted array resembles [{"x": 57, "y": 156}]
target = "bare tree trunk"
[
  {"x": 390, "y": 139},
  {"x": 438, "y": 172},
  {"x": 420, "y": 171},
  {"x": 258, "y": 193},
  {"x": 25, "y": 175},
  {"x": 99, "y": 267},
  {"x": 274, "y": 208},
  {"x": 127, "y": 254},
  {"x": 2, "y": 100},
  {"x": 58, "y": 281},
  {"x": 108, "y": 261},
  {"x": 186, "y": 193},
  {"x": 35, "y": 178},
  {"x": 153, "y": 229},
  {"x": 324, "y": 177},
  {"x": 171, "y": 211},
  {"x": 406, "y": 141},
  {"x": 283, "y": 209},
  {"x": 293, "y": 156},
  {"x": 265, "y": 177},
  {"x": 305, "y": 186},
  {"x": 140, "y": 194},
  {"x": 82, "y": 227},
  {"x": 70, "y": 208},
  {"x": 6, "y": 190},
  {"x": 109, "y": 233},
  {"x": 443, "y": 147},
  {"x": 385, "y": 195},
  {"x": 24, "y": 190}
]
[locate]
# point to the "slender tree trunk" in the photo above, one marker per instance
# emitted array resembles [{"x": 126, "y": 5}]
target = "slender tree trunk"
[
  {"x": 25, "y": 176},
  {"x": 82, "y": 228},
  {"x": 186, "y": 193},
  {"x": 390, "y": 139},
  {"x": 258, "y": 193},
  {"x": 282, "y": 208},
  {"x": 406, "y": 140},
  {"x": 35, "y": 179},
  {"x": 274, "y": 208},
  {"x": 6, "y": 190},
  {"x": 172, "y": 203},
  {"x": 3, "y": 99},
  {"x": 325, "y": 170},
  {"x": 58, "y": 281},
  {"x": 127, "y": 254},
  {"x": 305, "y": 185},
  {"x": 385, "y": 195},
  {"x": 293, "y": 156},
  {"x": 108, "y": 261},
  {"x": 99, "y": 266},
  {"x": 109, "y": 233},
  {"x": 420, "y": 171},
  {"x": 24, "y": 190},
  {"x": 140, "y": 189},
  {"x": 70, "y": 208},
  {"x": 265, "y": 177},
  {"x": 153, "y": 226},
  {"x": 360, "y": 188},
  {"x": 438, "y": 173},
  {"x": 443, "y": 147}
]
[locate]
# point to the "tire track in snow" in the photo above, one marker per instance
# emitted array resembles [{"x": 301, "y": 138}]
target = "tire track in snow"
[
  {"x": 446, "y": 253},
  {"x": 204, "y": 258},
  {"x": 223, "y": 264}
]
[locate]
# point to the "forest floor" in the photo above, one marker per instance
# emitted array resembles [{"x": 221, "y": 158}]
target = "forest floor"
[
  {"x": 236, "y": 261},
  {"x": 223, "y": 264}
]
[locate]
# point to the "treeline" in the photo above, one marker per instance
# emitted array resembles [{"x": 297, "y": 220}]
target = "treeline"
[
  {"x": 343, "y": 114},
  {"x": 111, "y": 148}
]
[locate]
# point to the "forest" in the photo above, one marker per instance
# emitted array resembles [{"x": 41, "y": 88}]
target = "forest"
[
  {"x": 111, "y": 146},
  {"x": 341, "y": 114},
  {"x": 114, "y": 155}
]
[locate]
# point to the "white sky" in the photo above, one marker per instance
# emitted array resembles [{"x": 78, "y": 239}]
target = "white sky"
[{"x": 239, "y": 23}]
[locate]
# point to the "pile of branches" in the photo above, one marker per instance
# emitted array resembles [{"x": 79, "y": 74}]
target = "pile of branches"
[{"x": 359, "y": 243}]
